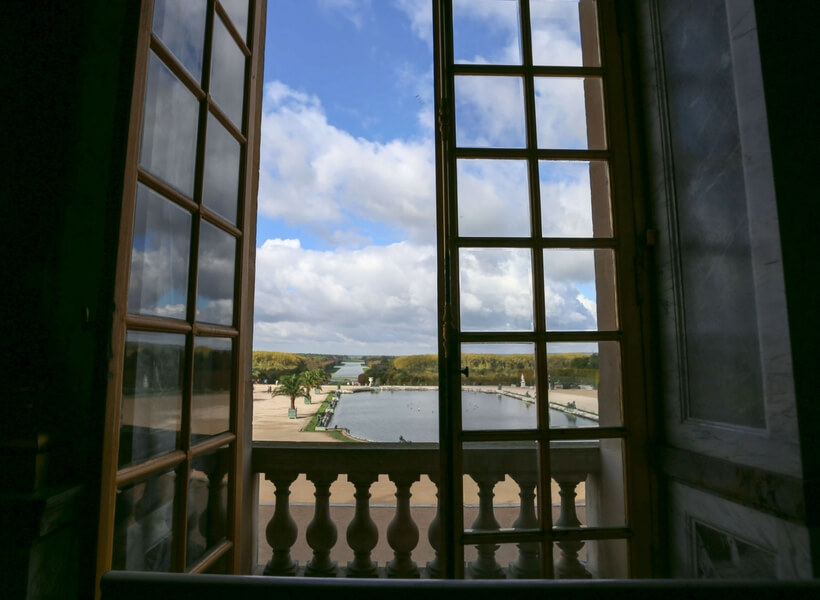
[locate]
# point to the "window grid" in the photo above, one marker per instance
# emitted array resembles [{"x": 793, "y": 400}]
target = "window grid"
[
  {"x": 181, "y": 459},
  {"x": 547, "y": 535}
]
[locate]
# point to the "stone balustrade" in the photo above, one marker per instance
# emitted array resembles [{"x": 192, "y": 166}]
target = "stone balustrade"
[{"x": 486, "y": 464}]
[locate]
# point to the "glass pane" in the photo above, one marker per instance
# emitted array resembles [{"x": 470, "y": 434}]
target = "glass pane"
[
  {"x": 564, "y": 33},
  {"x": 499, "y": 392},
  {"x": 227, "y": 73},
  {"x": 580, "y": 290},
  {"x": 490, "y": 112},
  {"x": 496, "y": 289},
  {"x": 180, "y": 25},
  {"x": 220, "y": 190},
  {"x": 584, "y": 384},
  {"x": 158, "y": 281},
  {"x": 151, "y": 395},
  {"x": 169, "y": 128},
  {"x": 217, "y": 265},
  {"x": 500, "y": 484},
  {"x": 143, "y": 524},
  {"x": 493, "y": 198},
  {"x": 503, "y": 561},
  {"x": 596, "y": 559},
  {"x": 486, "y": 31},
  {"x": 569, "y": 113},
  {"x": 589, "y": 479},
  {"x": 207, "y": 502},
  {"x": 575, "y": 199},
  {"x": 238, "y": 12},
  {"x": 211, "y": 403}
]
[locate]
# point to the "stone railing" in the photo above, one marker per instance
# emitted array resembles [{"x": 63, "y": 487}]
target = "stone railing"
[{"x": 486, "y": 464}]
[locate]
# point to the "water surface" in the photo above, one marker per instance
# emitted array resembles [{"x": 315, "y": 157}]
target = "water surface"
[{"x": 387, "y": 416}]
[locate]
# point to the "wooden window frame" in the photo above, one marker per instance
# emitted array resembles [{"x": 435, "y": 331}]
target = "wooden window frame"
[
  {"x": 631, "y": 285},
  {"x": 238, "y": 436}
]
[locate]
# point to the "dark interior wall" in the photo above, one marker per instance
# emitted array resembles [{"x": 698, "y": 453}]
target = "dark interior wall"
[
  {"x": 65, "y": 86},
  {"x": 790, "y": 60}
]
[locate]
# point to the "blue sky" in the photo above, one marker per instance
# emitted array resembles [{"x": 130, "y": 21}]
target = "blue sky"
[{"x": 346, "y": 225}]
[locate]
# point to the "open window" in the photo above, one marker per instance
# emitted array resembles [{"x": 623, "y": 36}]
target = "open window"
[
  {"x": 549, "y": 111},
  {"x": 177, "y": 491},
  {"x": 175, "y": 438}
]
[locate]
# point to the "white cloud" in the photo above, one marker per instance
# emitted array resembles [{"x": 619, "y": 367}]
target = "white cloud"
[
  {"x": 355, "y": 11},
  {"x": 377, "y": 299},
  {"x": 421, "y": 17},
  {"x": 489, "y": 112},
  {"x": 316, "y": 175}
]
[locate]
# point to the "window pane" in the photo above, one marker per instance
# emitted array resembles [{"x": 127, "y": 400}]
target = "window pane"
[
  {"x": 498, "y": 475},
  {"x": 180, "y": 25},
  {"x": 151, "y": 395},
  {"x": 493, "y": 198},
  {"x": 569, "y": 113},
  {"x": 496, "y": 289},
  {"x": 584, "y": 384},
  {"x": 602, "y": 559},
  {"x": 499, "y": 392},
  {"x": 564, "y": 33},
  {"x": 207, "y": 502},
  {"x": 217, "y": 266},
  {"x": 169, "y": 128},
  {"x": 143, "y": 524},
  {"x": 575, "y": 199},
  {"x": 220, "y": 190},
  {"x": 486, "y": 31},
  {"x": 580, "y": 290},
  {"x": 227, "y": 73},
  {"x": 158, "y": 282},
  {"x": 211, "y": 404},
  {"x": 517, "y": 561},
  {"x": 489, "y": 112},
  {"x": 590, "y": 478},
  {"x": 238, "y": 12}
]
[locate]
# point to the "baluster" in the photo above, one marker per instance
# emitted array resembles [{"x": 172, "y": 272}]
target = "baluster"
[
  {"x": 528, "y": 565},
  {"x": 321, "y": 532},
  {"x": 486, "y": 566},
  {"x": 362, "y": 533},
  {"x": 434, "y": 535},
  {"x": 216, "y": 511},
  {"x": 281, "y": 531},
  {"x": 153, "y": 513},
  {"x": 568, "y": 565},
  {"x": 403, "y": 533}
]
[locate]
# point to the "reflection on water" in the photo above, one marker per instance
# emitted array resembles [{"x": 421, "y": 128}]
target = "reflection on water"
[
  {"x": 349, "y": 370},
  {"x": 388, "y": 416}
]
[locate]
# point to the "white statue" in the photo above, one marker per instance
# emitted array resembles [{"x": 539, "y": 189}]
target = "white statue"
[{"x": 523, "y": 383}]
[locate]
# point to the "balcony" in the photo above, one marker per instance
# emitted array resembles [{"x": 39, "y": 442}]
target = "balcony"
[{"x": 398, "y": 537}]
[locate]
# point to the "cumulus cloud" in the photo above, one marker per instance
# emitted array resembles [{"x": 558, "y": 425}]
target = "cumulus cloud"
[
  {"x": 316, "y": 175},
  {"x": 364, "y": 297},
  {"x": 377, "y": 299},
  {"x": 421, "y": 18}
]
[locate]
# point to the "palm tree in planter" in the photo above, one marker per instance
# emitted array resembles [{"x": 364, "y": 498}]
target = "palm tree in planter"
[
  {"x": 289, "y": 385},
  {"x": 310, "y": 380}
]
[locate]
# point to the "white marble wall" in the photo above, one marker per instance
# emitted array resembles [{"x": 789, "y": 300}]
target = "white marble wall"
[
  {"x": 786, "y": 543},
  {"x": 771, "y": 445},
  {"x": 675, "y": 191}
]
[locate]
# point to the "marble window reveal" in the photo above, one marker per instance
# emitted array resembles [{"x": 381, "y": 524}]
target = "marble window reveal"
[{"x": 719, "y": 308}]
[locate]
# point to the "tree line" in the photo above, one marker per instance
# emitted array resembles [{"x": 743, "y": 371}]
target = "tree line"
[
  {"x": 422, "y": 369},
  {"x": 272, "y": 366}
]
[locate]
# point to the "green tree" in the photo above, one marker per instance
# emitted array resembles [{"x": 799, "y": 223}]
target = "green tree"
[
  {"x": 289, "y": 385},
  {"x": 312, "y": 379}
]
